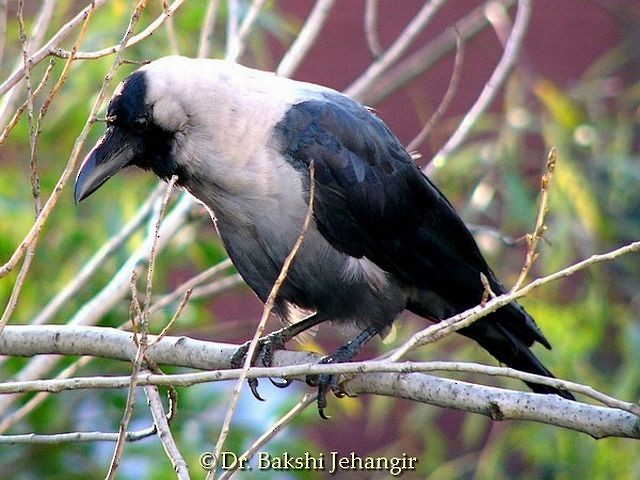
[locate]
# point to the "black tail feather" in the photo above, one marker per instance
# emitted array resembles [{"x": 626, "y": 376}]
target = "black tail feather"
[{"x": 500, "y": 334}]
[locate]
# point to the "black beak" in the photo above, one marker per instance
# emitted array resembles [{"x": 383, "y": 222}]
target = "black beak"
[{"x": 115, "y": 150}]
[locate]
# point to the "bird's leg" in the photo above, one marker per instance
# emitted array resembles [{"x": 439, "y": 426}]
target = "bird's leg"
[
  {"x": 269, "y": 344},
  {"x": 326, "y": 381}
]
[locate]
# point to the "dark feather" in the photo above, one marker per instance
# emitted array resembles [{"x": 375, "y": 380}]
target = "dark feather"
[{"x": 373, "y": 201}]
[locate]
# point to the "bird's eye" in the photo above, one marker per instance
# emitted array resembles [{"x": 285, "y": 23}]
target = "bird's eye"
[{"x": 139, "y": 124}]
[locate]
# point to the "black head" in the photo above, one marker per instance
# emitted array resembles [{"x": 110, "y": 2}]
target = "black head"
[{"x": 133, "y": 137}]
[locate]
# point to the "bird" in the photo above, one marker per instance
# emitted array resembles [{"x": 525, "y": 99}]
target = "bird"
[{"x": 382, "y": 238}]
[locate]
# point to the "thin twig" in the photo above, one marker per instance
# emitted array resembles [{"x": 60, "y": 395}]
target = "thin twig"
[
  {"x": 396, "y": 50},
  {"x": 176, "y": 315},
  {"x": 164, "y": 433},
  {"x": 154, "y": 245},
  {"x": 34, "y": 402},
  {"x": 452, "y": 324},
  {"x": 289, "y": 364},
  {"x": 491, "y": 88},
  {"x": 207, "y": 32},
  {"x": 297, "y": 409},
  {"x": 35, "y": 179},
  {"x": 38, "y": 31},
  {"x": 425, "y": 57},
  {"x": 98, "y": 259},
  {"x": 306, "y": 38},
  {"x": 237, "y": 43},
  {"x": 540, "y": 228},
  {"x": 43, "y": 52},
  {"x": 16, "y": 116},
  {"x": 35, "y": 127},
  {"x": 171, "y": 30},
  {"x": 60, "y": 438},
  {"x": 265, "y": 315},
  {"x": 371, "y": 27},
  {"x": 452, "y": 88}
]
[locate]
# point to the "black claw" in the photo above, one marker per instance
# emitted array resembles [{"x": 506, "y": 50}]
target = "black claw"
[
  {"x": 253, "y": 385},
  {"x": 281, "y": 384},
  {"x": 264, "y": 350},
  {"x": 322, "y": 403}
]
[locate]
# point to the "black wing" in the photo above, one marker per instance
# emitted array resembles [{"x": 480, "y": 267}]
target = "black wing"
[{"x": 372, "y": 200}]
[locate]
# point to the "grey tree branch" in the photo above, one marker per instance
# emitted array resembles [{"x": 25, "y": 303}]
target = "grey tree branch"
[
  {"x": 402, "y": 383},
  {"x": 164, "y": 432},
  {"x": 426, "y": 56},
  {"x": 305, "y": 38},
  {"x": 491, "y": 88},
  {"x": 396, "y": 50}
]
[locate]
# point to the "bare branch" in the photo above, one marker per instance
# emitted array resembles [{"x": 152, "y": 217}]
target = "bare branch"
[
  {"x": 211, "y": 356},
  {"x": 371, "y": 27},
  {"x": 208, "y": 29},
  {"x": 164, "y": 432},
  {"x": 305, "y": 38},
  {"x": 452, "y": 88},
  {"x": 540, "y": 228},
  {"x": 491, "y": 88},
  {"x": 452, "y": 324},
  {"x": 307, "y": 400},
  {"x": 396, "y": 50},
  {"x": 498, "y": 404},
  {"x": 237, "y": 43},
  {"x": 265, "y": 314},
  {"x": 135, "y": 39},
  {"x": 60, "y": 438},
  {"x": 182, "y": 351},
  {"x": 43, "y": 52},
  {"x": 413, "y": 65}
]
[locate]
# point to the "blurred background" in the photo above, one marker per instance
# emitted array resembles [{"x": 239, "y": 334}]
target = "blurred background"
[{"x": 575, "y": 86}]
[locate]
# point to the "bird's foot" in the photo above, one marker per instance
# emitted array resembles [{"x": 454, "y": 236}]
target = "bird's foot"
[
  {"x": 264, "y": 350},
  {"x": 326, "y": 382}
]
